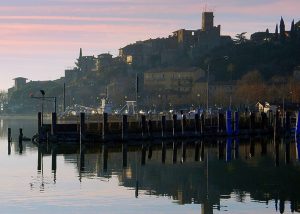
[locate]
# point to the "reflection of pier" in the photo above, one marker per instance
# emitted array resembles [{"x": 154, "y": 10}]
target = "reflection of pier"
[{"x": 266, "y": 170}]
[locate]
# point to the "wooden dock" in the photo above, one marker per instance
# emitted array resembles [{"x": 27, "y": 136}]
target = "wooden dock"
[{"x": 105, "y": 128}]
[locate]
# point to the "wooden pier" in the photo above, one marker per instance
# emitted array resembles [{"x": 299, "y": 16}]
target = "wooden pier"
[{"x": 104, "y": 128}]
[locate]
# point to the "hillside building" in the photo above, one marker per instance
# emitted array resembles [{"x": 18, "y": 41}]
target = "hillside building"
[
  {"x": 165, "y": 51},
  {"x": 19, "y": 82}
]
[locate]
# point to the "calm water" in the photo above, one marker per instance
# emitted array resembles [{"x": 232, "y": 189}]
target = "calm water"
[{"x": 239, "y": 176}]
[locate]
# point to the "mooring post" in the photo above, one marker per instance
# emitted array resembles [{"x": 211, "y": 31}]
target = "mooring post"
[
  {"x": 9, "y": 135},
  {"x": 144, "y": 125},
  {"x": 54, "y": 159},
  {"x": 228, "y": 122},
  {"x": 297, "y": 132},
  {"x": 39, "y": 124},
  {"x": 270, "y": 118},
  {"x": 174, "y": 124},
  {"x": 197, "y": 124},
  {"x": 287, "y": 121},
  {"x": 54, "y": 123},
  {"x": 21, "y": 141},
  {"x": 163, "y": 126},
  {"x": 124, "y": 127},
  {"x": 236, "y": 122},
  {"x": 40, "y": 158},
  {"x": 202, "y": 151},
  {"x": 298, "y": 148},
  {"x": 82, "y": 160},
  {"x": 104, "y": 126},
  {"x": 218, "y": 122},
  {"x": 202, "y": 120},
  {"x": 20, "y": 135},
  {"x": 82, "y": 126},
  {"x": 163, "y": 152},
  {"x": 277, "y": 123},
  {"x": 183, "y": 123}
]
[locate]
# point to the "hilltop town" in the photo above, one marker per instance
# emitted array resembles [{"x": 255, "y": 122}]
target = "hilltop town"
[{"x": 188, "y": 69}]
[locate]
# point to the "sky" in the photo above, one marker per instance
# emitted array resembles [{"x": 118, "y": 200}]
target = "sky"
[{"x": 39, "y": 39}]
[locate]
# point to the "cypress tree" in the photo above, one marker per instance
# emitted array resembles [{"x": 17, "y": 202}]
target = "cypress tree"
[
  {"x": 276, "y": 32},
  {"x": 292, "y": 32},
  {"x": 282, "y": 30}
]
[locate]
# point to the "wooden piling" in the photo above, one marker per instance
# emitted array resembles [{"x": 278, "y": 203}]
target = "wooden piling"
[
  {"x": 40, "y": 158},
  {"x": 163, "y": 126},
  {"x": 197, "y": 124},
  {"x": 9, "y": 135},
  {"x": 144, "y": 126},
  {"x": 163, "y": 152},
  {"x": 183, "y": 123},
  {"x": 124, "y": 127},
  {"x": 54, "y": 160},
  {"x": 39, "y": 123},
  {"x": 54, "y": 123},
  {"x": 104, "y": 126},
  {"x": 82, "y": 125},
  {"x": 21, "y": 141},
  {"x": 202, "y": 121},
  {"x": 288, "y": 121},
  {"x": 236, "y": 123},
  {"x": 20, "y": 135},
  {"x": 174, "y": 123}
]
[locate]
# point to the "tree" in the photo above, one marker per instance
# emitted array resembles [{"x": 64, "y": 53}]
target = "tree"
[
  {"x": 282, "y": 30},
  {"x": 240, "y": 38},
  {"x": 251, "y": 88},
  {"x": 276, "y": 33}
]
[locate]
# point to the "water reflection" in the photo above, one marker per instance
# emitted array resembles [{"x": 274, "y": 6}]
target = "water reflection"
[
  {"x": 205, "y": 172},
  {"x": 232, "y": 166}
]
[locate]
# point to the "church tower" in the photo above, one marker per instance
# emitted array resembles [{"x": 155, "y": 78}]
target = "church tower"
[{"x": 207, "y": 21}]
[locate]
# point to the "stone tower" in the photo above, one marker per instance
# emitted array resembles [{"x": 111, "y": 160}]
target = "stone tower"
[{"x": 207, "y": 21}]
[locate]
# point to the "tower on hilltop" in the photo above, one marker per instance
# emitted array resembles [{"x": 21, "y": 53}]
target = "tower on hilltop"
[{"x": 207, "y": 21}]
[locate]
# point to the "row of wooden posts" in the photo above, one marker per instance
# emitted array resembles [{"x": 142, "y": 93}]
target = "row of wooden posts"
[{"x": 228, "y": 124}]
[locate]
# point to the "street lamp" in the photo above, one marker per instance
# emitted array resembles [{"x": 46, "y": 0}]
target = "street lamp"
[{"x": 44, "y": 98}]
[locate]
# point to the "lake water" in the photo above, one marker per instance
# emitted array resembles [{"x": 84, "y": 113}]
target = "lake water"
[{"x": 254, "y": 175}]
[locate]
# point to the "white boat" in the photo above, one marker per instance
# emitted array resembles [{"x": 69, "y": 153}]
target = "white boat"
[{"x": 105, "y": 107}]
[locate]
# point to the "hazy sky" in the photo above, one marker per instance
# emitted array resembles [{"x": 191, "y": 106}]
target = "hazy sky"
[{"x": 41, "y": 38}]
